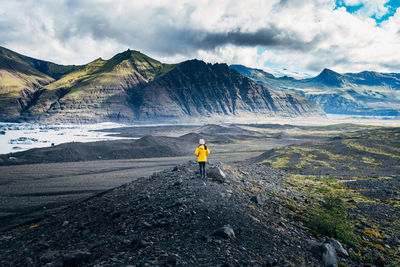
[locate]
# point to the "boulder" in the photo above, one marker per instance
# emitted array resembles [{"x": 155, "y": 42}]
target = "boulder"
[
  {"x": 337, "y": 245},
  {"x": 216, "y": 174},
  {"x": 327, "y": 253},
  {"x": 225, "y": 232}
]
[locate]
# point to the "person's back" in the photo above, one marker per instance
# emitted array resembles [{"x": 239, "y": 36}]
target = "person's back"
[{"x": 202, "y": 152}]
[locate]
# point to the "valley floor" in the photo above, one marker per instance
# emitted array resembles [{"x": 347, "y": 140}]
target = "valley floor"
[{"x": 355, "y": 166}]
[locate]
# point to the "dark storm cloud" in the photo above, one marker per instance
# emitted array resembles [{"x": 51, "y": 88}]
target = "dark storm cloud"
[
  {"x": 95, "y": 25},
  {"x": 167, "y": 39},
  {"x": 269, "y": 37}
]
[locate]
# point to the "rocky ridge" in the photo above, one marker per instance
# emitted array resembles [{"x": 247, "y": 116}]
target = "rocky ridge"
[
  {"x": 132, "y": 87},
  {"x": 196, "y": 89},
  {"x": 236, "y": 217}
]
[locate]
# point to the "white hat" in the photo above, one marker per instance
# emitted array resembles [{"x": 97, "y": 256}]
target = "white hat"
[{"x": 202, "y": 142}]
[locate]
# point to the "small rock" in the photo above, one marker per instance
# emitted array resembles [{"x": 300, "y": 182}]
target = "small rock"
[
  {"x": 147, "y": 225},
  {"x": 179, "y": 182},
  {"x": 327, "y": 253},
  {"x": 337, "y": 245},
  {"x": 270, "y": 261},
  {"x": 218, "y": 242},
  {"x": 138, "y": 244},
  {"x": 82, "y": 257},
  {"x": 43, "y": 245},
  {"x": 65, "y": 223},
  {"x": 259, "y": 199},
  {"x": 380, "y": 262},
  {"x": 394, "y": 241},
  {"x": 225, "y": 232}
]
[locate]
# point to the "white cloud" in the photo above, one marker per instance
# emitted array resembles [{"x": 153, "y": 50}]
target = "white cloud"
[
  {"x": 369, "y": 7},
  {"x": 303, "y": 35}
]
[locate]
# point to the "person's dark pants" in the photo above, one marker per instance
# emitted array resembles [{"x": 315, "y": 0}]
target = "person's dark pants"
[{"x": 202, "y": 166}]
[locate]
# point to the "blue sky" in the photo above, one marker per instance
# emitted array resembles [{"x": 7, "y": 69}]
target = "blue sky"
[
  {"x": 391, "y": 7},
  {"x": 280, "y": 36},
  {"x": 379, "y": 11}
]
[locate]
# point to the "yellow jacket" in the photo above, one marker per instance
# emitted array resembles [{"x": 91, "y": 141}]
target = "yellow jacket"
[{"x": 202, "y": 153}]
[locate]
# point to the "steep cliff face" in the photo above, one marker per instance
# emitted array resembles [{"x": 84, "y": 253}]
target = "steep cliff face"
[{"x": 197, "y": 89}]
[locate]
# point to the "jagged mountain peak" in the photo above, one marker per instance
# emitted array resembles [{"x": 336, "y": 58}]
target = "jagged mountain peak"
[
  {"x": 252, "y": 71},
  {"x": 329, "y": 77},
  {"x": 133, "y": 56},
  {"x": 328, "y": 73},
  {"x": 288, "y": 78},
  {"x": 201, "y": 63}
]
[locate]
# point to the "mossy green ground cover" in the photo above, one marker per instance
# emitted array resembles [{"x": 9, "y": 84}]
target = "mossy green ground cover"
[
  {"x": 348, "y": 179},
  {"x": 369, "y": 153}
]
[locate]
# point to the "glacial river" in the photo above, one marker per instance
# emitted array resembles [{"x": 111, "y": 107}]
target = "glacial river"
[{"x": 15, "y": 137}]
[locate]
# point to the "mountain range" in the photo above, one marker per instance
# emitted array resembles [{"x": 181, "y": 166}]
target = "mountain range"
[
  {"x": 364, "y": 93},
  {"x": 134, "y": 87}
]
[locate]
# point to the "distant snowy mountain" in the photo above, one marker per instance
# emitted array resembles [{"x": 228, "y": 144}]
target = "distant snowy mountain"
[{"x": 364, "y": 93}]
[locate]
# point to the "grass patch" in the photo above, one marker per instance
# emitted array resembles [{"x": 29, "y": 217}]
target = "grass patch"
[
  {"x": 373, "y": 150},
  {"x": 331, "y": 219},
  {"x": 372, "y": 232},
  {"x": 281, "y": 161}
]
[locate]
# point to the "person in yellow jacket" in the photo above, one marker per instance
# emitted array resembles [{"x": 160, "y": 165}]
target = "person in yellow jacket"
[{"x": 202, "y": 152}]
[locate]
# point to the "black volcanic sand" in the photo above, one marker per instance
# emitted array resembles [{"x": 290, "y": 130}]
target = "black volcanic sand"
[
  {"x": 145, "y": 147},
  {"x": 29, "y": 191},
  {"x": 171, "y": 219}
]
